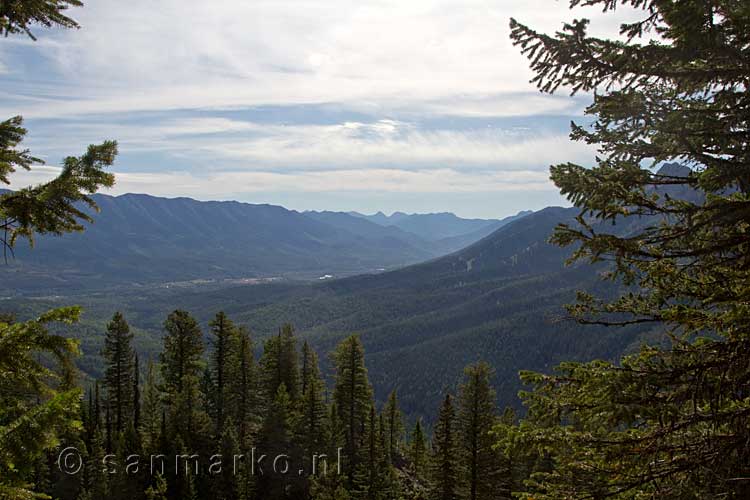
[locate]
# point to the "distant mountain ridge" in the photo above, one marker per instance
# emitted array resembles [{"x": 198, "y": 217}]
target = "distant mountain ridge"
[
  {"x": 138, "y": 239},
  {"x": 435, "y": 226}
]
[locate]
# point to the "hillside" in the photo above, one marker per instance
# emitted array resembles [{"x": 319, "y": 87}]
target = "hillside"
[
  {"x": 499, "y": 299},
  {"x": 139, "y": 239}
]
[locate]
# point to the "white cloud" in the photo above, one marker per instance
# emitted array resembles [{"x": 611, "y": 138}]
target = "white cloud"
[
  {"x": 220, "y": 184},
  {"x": 134, "y": 64},
  {"x": 175, "y": 54},
  {"x": 220, "y": 143}
]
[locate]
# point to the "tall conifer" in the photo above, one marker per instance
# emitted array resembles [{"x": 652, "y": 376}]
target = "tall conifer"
[
  {"x": 119, "y": 373},
  {"x": 477, "y": 415},
  {"x": 445, "y": 460},
  {"x": 353, "y": 397}
]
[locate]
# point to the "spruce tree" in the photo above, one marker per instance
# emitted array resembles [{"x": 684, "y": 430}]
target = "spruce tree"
[
  {"x": 224, "y": 332},
  {"x": 119, "y": 373},
  {"x": 418, "y": 450},
  {"x": 227, "y": 486},
  {"x": 662, "y": 422},
  {"x": 311, "y": 432},
  {"x": 37, "y": 406},
  {"x": 181, "y": 371},
  {"x": 242, "y": 386},
  {"x": 136, "y": 394},
  {"x": 276, "y": 440},
  {"x": 151, "y": 409},
  {"x": 370, "y": 480},
  {"x": 279, "y": 364},
  {"x": 445, "y": 462},
  {"x": 394, "y": 427},
  {"x": 477, "y": 415},
  {"x": 158, "y": 490},
  {"x": 353, "y": 397}
]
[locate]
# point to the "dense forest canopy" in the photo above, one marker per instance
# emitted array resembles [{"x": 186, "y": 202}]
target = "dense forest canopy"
[{"x": 670, "y": 422}]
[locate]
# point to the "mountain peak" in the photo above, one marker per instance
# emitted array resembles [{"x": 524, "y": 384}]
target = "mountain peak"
[{"x": 674, "y": 170}]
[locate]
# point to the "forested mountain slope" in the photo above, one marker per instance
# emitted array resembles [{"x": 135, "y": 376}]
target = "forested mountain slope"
[
  {"x": 139, "y": 239},
  {"x": 499, "y": 300}
]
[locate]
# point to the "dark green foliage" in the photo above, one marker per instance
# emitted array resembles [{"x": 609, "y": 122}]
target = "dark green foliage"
[
  {"x": 183, "y": 347},
  {"x": 279, "y": 364},
  {"x": 311, "y": 430},
  {"x": 445, "y": 467},
  {"x": 181, "y": 371},
  {"x": 242, "y": 385},
  {"x": 151, "y": 409},
  {"x": 52, "y": 207},
  {"x": 394, "y": 422},
  {"x": 477, "y": 415},
  {"x": 418, "y": 450},
  {"x": 277, "y": 439},
  {"x": 669, "y": 421},
  {"x": 227, "y": 485},
  {"x": 352, "y": 395},
  {"x": 37, "y": 404},
  {"x": 371, "y": 475},
  {"x": 224, "y": 333},
  {"x": 18, "y": 16},
  {"x": 119, "y": 374}
]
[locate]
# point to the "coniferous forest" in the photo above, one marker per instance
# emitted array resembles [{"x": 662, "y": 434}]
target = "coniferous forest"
[
  {"x": 218, "y": 412},
  {"x": 228, "y": 425}
]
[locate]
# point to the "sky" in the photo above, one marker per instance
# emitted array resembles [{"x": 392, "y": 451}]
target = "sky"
[{"x": 418, "y": 106}]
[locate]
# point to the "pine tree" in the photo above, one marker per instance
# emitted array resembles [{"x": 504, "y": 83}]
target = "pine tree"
[
  {"x": 418, "y": 450},
  {"x": 311, "y": 430},
  {"x": 394, "y": 427},
  {"x": 242, "y": 386},
  {"x": 517, "y": 461},
  {"x": 477, "y": 416},
  {"x": 157, "y": 491},
  {"x": 119, "y": 372},
  {"x": 224, "y": 333},
  {"x": 37, "y": 405},
  {"x": 152, "y": 409},
  {"x": 183, "y": 348},
  {"x": 279, "y": 364},
  {"x": 662, "y": 422},
  {"x": 227, "y": 486},
  {"x": 445, "y": 463},
  {"x": 136, "y": 395},
  {"x": 353, "y": 397},
  {"x": 328, "y": 484},
  {"x": 181, "y": 372},
  {"x": 276, "y": 440},
  {"x": 307, "y": 368},
  {"x": 370, "y": 477}
]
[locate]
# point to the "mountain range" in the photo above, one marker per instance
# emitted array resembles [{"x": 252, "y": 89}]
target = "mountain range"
[
  {"x": 500, "y": 299},
  {"x": 140, "y": 239}
]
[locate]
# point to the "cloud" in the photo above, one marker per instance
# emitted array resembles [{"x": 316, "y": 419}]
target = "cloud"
[
  {"x": 221, "y": 185},
  {"x": 211, "y": 99},
  {"x": 188, "y": 54},
  {"x": 212, "y": 143}
]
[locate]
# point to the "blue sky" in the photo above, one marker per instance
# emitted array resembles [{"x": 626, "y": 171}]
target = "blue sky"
[{"x": 413, "y": 106}]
